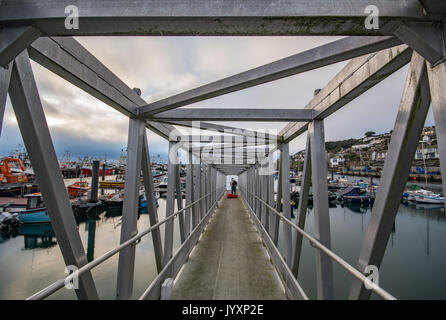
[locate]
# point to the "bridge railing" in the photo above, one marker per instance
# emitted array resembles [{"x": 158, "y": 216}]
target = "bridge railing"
[
  {"x": 167, "y": 269},
  {"x": 314, "y": 243}
]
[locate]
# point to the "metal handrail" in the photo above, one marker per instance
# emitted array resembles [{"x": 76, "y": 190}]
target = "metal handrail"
[
  {"x": 55, "y": 286},
  {"x": 168, "y": 264},
  {"x": 344, "y": 264},
  {"x": 297, "y": 284}
]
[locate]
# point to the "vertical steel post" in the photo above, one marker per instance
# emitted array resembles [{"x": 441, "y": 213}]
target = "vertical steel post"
[
  {"x": 36, "y": 136},
  {"x": 324, "y": 267},
  {"x": 437, "y": 83},
  {"x": 170, "y": 202},
  {"x": 211, "y": 185},
  {"x": 189, "y": 192},
  {"x": 259, "y": 193},
  {"x": 130, "y": 208},
  {"x": 286, "y": 204},
  {"x": 248, "y": 186},
  {"x": 196, "y": 210},
  {"x": 204, "y": 190},
  {"x": 256, "y": 190},
  {"x": 151, "y": 203},
  {"x": 302, "y": 207},
  {"x": 272, "y": 216},
  {"x": 208, "y": 187},
  {"x": 279, "y": 182},
  {"x": 409, "y": 124},
  {"x": 276, "y": 225},
  {"x": 5, "y": 76},
  {"x": 179, "y": 196},
  {"x": 265, "y": 198},
  {"x": 214, "y": 185}
]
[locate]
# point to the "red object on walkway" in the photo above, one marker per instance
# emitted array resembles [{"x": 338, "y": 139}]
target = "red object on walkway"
[{"x": 230, "y": 195}]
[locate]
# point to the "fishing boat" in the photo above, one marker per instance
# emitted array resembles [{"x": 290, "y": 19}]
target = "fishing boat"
[
  {"x": 35, "y": 211},
  {"x": 117, "y": 199},
  {"x": 87, "y": 171},
  {"x": 355, "y": 194},
  {"x": 78, "y": 189},
  {"x": 14, "y": 178},
  {"x": 424, "y": 196},
  {"x": 118, "y": 183},
  {"x": 162, "y": 186}
]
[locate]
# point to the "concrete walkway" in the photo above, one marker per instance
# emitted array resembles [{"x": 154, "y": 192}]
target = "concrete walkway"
[{"x": 229, "y": 262}]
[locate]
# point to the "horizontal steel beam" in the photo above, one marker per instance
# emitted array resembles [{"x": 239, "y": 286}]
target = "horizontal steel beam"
[
  {"x": 217, "y": 17},
  {"x": 359, "y": 75},
  {"x": 252, "y": 147},
  {"x": 222, "y": 129},
  {"x": 240, "y": 114},
  {"x": 217, "y": 140},
  {"x": 324, "y": 55}
]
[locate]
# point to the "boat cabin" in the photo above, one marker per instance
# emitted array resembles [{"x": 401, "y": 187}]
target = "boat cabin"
[{"x": 34, "y": 201}]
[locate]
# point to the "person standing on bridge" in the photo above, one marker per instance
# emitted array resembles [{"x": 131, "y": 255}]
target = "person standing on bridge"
[{"x": 233, "y": 186}]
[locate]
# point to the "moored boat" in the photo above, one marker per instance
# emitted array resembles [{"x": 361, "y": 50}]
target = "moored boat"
[
  {"x": 35, "y": 211},
  {"x": 355, "y": 194},
  {"x": 78, "y": 189},
  {"x": 424, "y": 196}
]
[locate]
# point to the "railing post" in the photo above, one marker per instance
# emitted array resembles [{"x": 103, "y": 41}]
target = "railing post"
[
  {"x": 189, "y": 192},
  {"x": 437, "y": 82},
  {"x": 248, "y": 188},
  {"x": 324, "y": 268},
  {"x": 179, "y": 196},
  {"x": 256, "y": 191},
  {"x": 151, "y": 203},
  {"x": 203, "y": 191},
  {"x": 196, "y": 210},
  {"x": 214, "y": 185},
  {"x": 130, "y": 208},
  {"x": 302, "y": 207},
  {"x": 286, "y": 204},
  {"x": 36, "y": 136},
  {"x": 409, "y": 124},
  {"x": 208, "y": 187},
  {"x": 170, "y": 201},
  {"x": 279, "y": 182},
  {"x": 266, "y": 197},
  {"x": 272, "y": 216},
  {"x": 5, "y": 76},
  {"x": 263, "y": 194},
  {"x": 275, "y": 227}
]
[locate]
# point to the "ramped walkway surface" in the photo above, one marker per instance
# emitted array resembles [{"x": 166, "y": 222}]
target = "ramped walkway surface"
[{"x": 229, "y": 261}]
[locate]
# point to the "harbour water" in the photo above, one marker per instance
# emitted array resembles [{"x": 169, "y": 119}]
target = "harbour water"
[{"x": 413, "y": 266}]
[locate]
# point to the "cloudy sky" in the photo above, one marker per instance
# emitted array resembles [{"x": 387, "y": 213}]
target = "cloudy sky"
[{"x": 162, "y": 66}]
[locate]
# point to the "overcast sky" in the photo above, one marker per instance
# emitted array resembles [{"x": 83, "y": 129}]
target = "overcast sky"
[{"x": 161, "y": 66}]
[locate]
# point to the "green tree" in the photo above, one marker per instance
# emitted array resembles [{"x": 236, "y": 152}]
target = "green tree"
[{"x": 369, "y": 134}]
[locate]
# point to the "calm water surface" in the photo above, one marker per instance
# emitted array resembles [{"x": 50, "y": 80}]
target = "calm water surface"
[{"x": 413, "y": 265}]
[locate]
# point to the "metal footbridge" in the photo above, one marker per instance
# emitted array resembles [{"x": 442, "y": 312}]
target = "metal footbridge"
[{"x": 229, "y": 247}]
